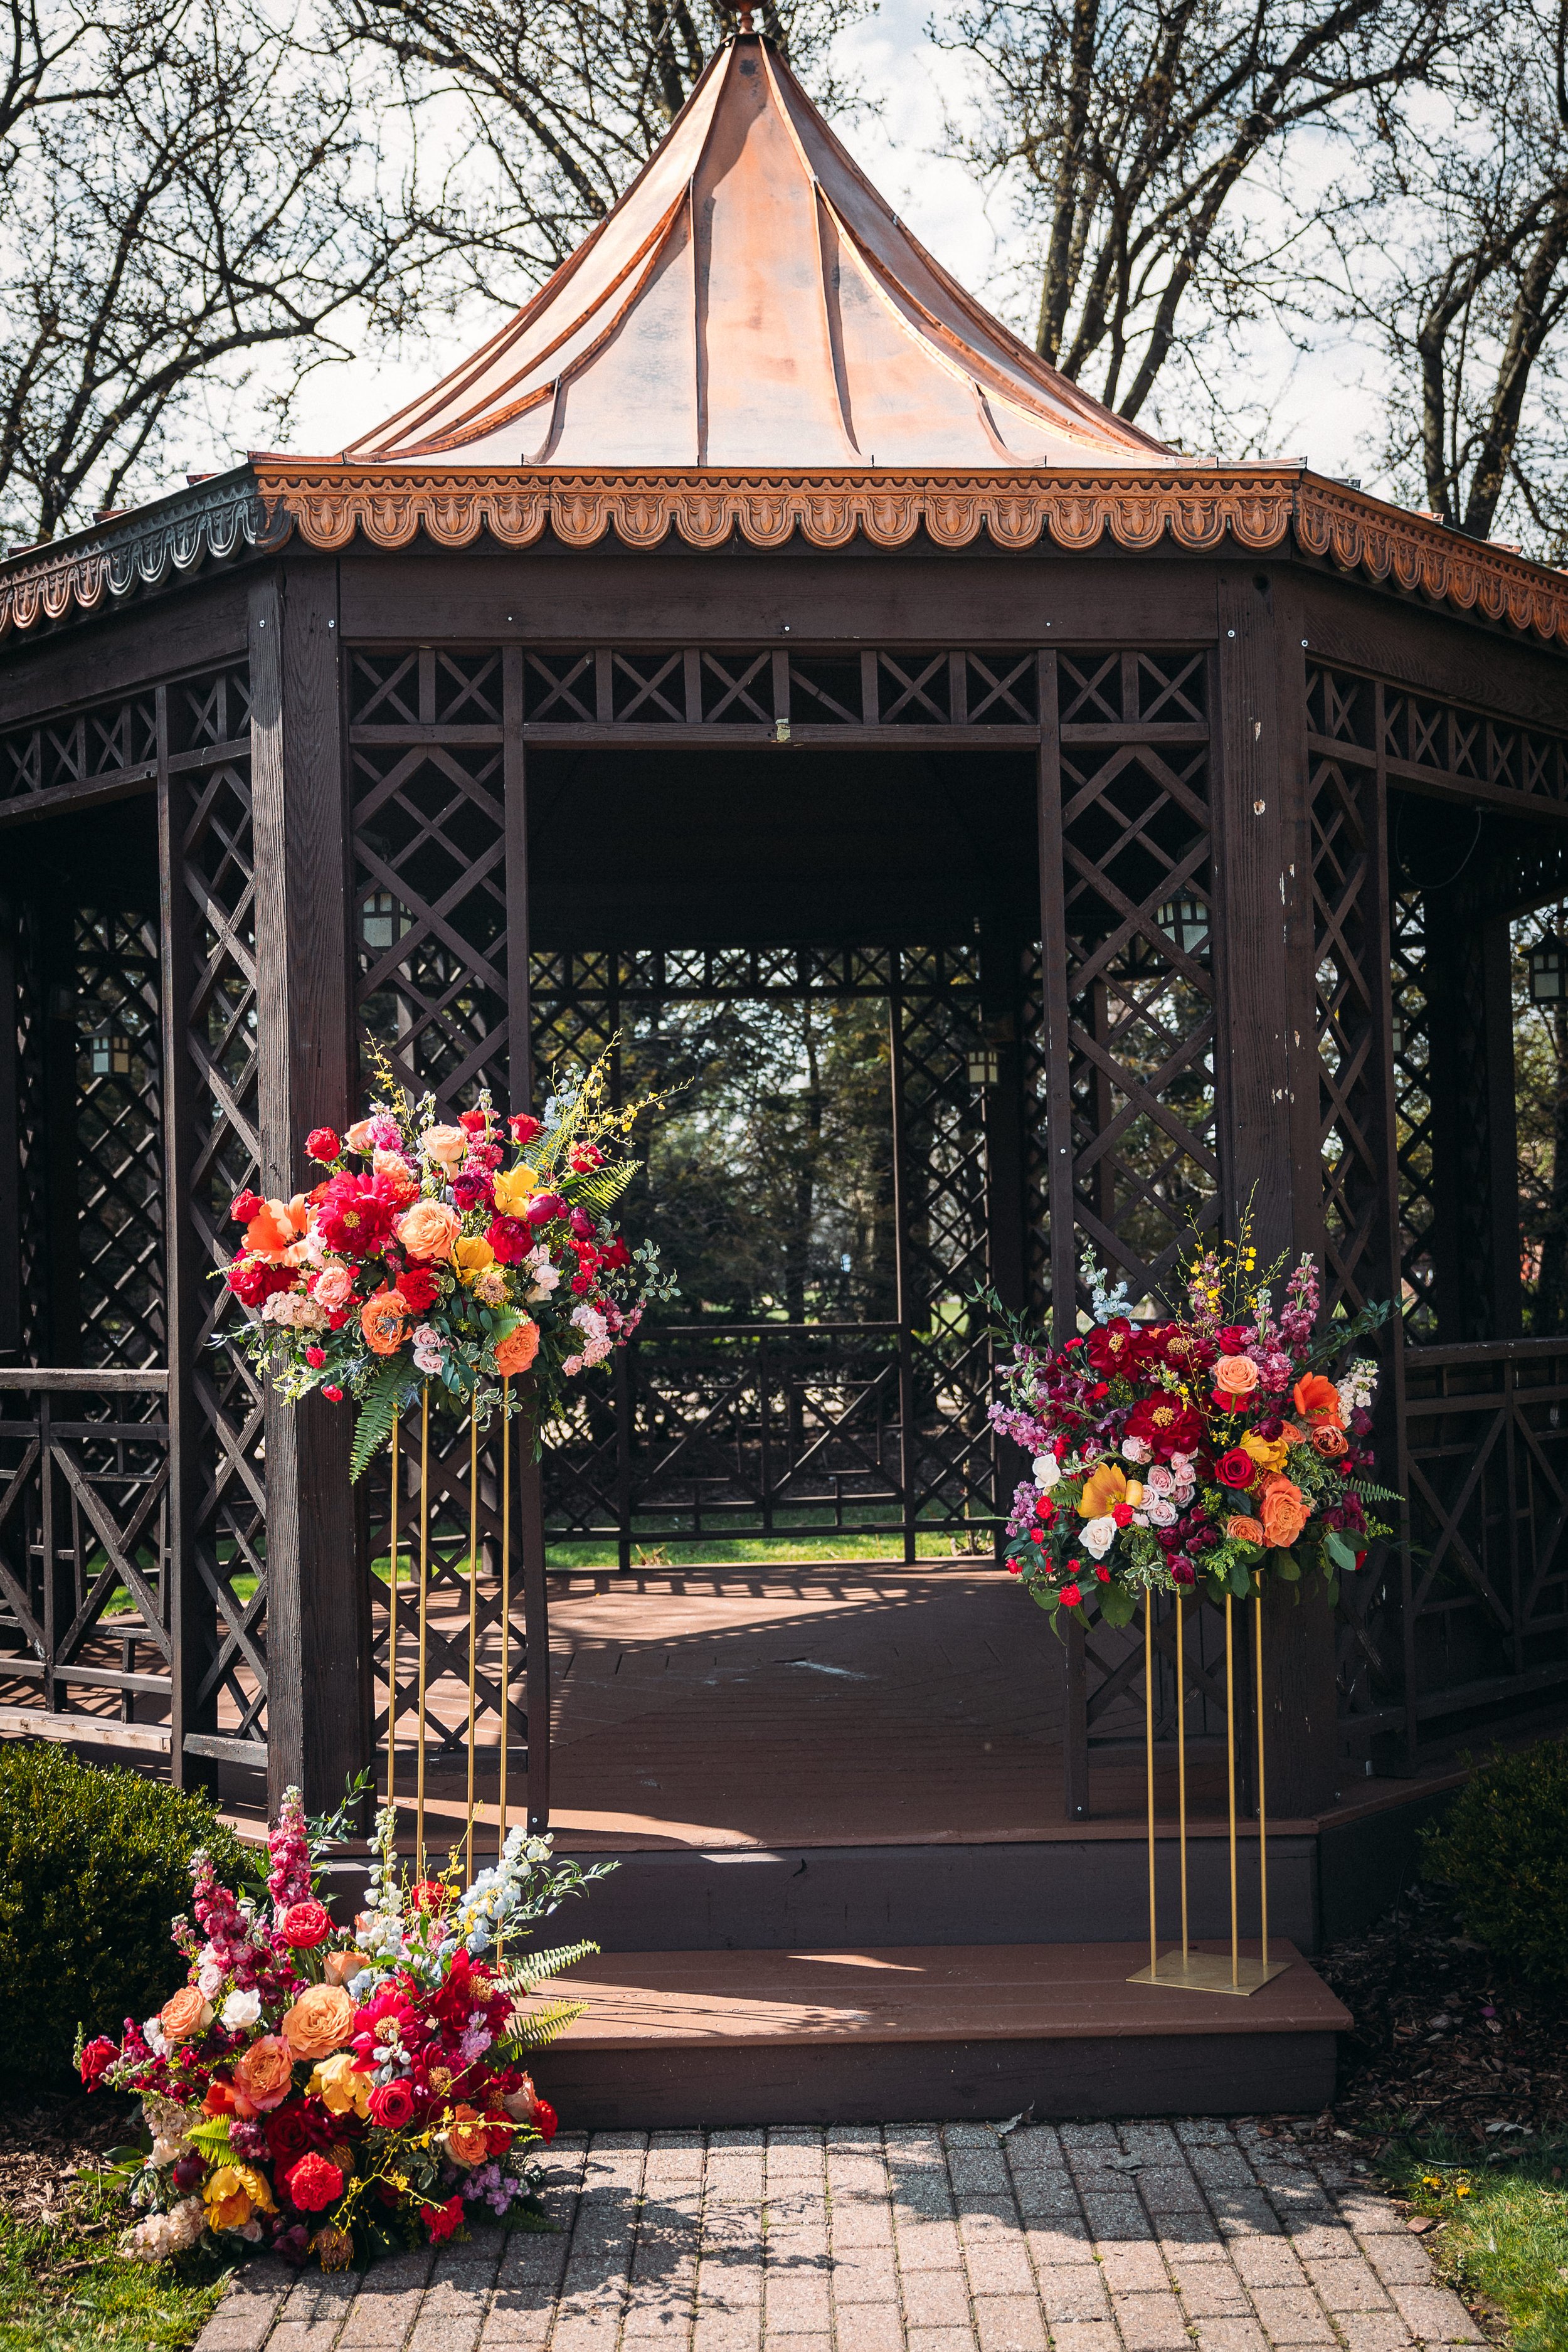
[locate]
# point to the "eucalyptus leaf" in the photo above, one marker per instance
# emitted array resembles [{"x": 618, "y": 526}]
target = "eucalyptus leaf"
[
  {"x": 1287, "y": 1566},
  {"x": 1116, "y": 1605}
]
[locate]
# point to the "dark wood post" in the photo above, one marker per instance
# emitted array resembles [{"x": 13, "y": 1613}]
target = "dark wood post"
[
  {"x": 317, "y": 1601},
  {"x": 1266, "y": 1069},
  {"x": 193, "y": 1708},
  {"x": 1475, "y": 1144}
]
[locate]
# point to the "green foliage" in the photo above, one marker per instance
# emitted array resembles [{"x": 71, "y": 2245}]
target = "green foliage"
[
  {"x": 1505, "y": 2229},
  {"x": 1502, "y": 1849},
  {"x": 378, "y": 1410},
  {"x": 64, "y": 2286},
  {"x": 93, "y": 1866},
  {"x": 531, "y": 2029}
]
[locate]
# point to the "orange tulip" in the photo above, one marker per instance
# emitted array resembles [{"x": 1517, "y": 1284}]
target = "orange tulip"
[{"x": 1317, "y": 1399}]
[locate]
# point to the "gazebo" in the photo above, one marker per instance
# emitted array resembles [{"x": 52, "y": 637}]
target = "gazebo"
[{"x": 753, "y": 614}]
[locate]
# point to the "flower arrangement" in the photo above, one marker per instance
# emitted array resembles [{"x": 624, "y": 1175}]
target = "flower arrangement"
[
  {"x": 1213, "y": 1447},
  {"x": 316, "y": 2091},
  {"x": 454, "y": 1255}
]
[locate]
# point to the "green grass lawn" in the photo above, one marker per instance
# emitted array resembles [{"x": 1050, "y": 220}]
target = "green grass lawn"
[
  {"x": 63, "y": 2286},
  {"x": 1504, "y": 2237}
]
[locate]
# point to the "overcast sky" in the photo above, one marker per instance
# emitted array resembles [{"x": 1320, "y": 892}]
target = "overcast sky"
[{"x": 1319, "y": 413}]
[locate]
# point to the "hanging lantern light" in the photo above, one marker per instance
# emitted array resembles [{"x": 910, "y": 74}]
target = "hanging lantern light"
[
  {"x": 1185, "y": 920},
  {"x": 1397, "y": 1031},
  {"x": 1546, "y": 972},
  {"x": 109, "y": 1052},
  {"x": 381, "y": 923},
  {"x": 984, "y": 1065}
]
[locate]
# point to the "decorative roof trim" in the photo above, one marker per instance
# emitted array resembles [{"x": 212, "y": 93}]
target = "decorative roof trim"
[
  {"x": 1200, "y": 509},
  {"x": 207, "y": 523}
]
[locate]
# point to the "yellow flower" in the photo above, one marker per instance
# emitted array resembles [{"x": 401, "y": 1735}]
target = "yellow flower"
[
  {"x": 512, "y": 1188},
  {"x": 1461, "y": 2188},
  {"x": 1102, "y": 1490},
  {"x": 471, "y": 1256},
  {"x": 1268, "y": 1453},
  {"x": 233, "y": 2193},
  {"x": 340, "y": 2087}
]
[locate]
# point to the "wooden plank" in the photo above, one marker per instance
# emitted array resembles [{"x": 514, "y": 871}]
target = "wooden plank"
[
  {"x": 84, "y": 1730},
  {"x": 1381, "y": 634},
  {"x": 318, "y": 1609},
  {"x": 911, "y": 1992},
  {"x": 200, "y": 624},
  {"x": 106, "y": 1382}
]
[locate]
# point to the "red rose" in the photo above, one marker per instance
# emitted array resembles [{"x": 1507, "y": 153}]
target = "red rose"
[
  {"x": 1233, "y": 1338},
  {"x": 1184, "y": 1572},
  {"x": 391, "y": 2105},
  {"x": 304, "y": 1923},
  {"x": 472, "y": 1122},
  {"x": 324, "y": 1144},
  {"x": 244, "y": 1206},
  {"x": 583, "y": 1156},
  {"x": 474, "y": 1189},
  {"x": 1236, "y": 1468},
  {"x": 1070, "y": 1596},
  {"x": 315, "y": 1358},
  {"x": 510, "y": 1238},
  {"x": 253, "y": 1281},
  {"x": 440, "y": 2220},
  {"x": 617, "y": 1254},
  {"x": 293, "y": 2130},
  {"x": 95, "y": 2056},
  {"x": 420, "y": 1286},
  {"x": 546, "y": 2122},
  {"x": 1166, "y": 1424},
  {"x": 525, "y": 1126},
  {"x": 432, "y": 1895},
  {"x": 315, "y": 2183}
]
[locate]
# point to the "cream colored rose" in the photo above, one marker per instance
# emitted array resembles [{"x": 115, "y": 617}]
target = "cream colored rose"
[{"x": 446, "y": 1146}]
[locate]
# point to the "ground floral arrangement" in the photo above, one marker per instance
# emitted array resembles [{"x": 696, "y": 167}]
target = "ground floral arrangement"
[
  {"x": 454, "y": 1255},
  {"x": 320, "y": 2093},
  {"x": 1211, "y": 1448}
]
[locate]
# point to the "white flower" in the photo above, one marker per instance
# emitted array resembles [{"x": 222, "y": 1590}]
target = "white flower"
[
  {"x": 209, "y": 1979},
  {"x": 153, "y": 2035},
  {"x": 1047, "y": 1469},
  {"x": 545, "y": 1275},
  {"x": 240, "y": 2009},
  {"x": 1099, "y": 1535}
]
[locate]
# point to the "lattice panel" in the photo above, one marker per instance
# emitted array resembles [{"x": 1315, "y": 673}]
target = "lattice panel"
[
  {"x": 1133, "y": 687},
  {"x": 105, "y": 740},
  {"x": 219, "y": 862},
  {"x": 1412, "y": 1115},
  {"x": 119, "y": 1140},
  {"x": 430, "y": 910},
  {"x": 1036, "y": 1142},
  {"x": 942, "y": 1150},
  {"x": 1347, "y": 976},
  {"x": 32, "y": 1240},
  {"x": 1136, "y": 849}
]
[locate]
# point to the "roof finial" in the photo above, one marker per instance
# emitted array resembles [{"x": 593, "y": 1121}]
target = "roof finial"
[{"x": 746, "y": 24}]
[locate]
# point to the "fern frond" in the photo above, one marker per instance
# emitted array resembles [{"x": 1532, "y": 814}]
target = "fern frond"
[
  {"x": 531, "y": 2029},
  {"x": 603, "y": 1188},
  {"x": 377, "y": 1413},
  {"x": 524, "y": 1975}
]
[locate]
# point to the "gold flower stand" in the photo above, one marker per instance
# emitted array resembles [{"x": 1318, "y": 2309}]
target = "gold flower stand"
[{"x": 1187, "y": 1970}]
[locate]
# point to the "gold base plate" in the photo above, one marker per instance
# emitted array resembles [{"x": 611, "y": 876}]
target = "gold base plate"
[{"x": 1209, "y": 1972}]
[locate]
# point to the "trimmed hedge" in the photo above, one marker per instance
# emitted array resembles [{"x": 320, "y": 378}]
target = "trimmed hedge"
[
  {"x": 1502, "y": 1851},
  {"x": 93, "y": 1868}
]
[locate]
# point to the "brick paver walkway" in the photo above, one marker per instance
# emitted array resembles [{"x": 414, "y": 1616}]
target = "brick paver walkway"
[{"x": 1090, "y": 2238}]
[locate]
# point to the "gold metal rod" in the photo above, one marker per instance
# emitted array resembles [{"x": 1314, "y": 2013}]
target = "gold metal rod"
[
  {"x": 391, "y": 1646},
  {"x": 505, "y": 1604},
  {"x": 1149, "y": 1756},
  {"x": 1230, "y": 1771},
  {"x": 1262, "y": 1800},
  {"x": 473, "y": 1621},
  {"x": 1182, "y": 1773},
  {"x": 424, "y": 1594}
]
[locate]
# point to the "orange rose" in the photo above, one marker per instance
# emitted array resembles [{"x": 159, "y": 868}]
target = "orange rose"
[
  {"x": 428, "y": 1229},
  {"x": 321, "y": 2021},
  {"x": 338, "y": 1967},
  {"x": 1236, "y": 1376},
  {"x": 1242, "y": 1530},
  {"x": 186, "y": 2012},
  {"x": 1285, "y": 1513},
  {"x": 1316, "y": 1398},
  {"x": 467, "y": 2140},
  {"x": 1102, "y": 1490},
  {"x": 518, "y": 1350},
  {"x": 381, "y": 1320},
  {"x": 446, "y": 1146},
  {"x": 1329, "y": 1440},
  {"x": 264, "y": 2075}
]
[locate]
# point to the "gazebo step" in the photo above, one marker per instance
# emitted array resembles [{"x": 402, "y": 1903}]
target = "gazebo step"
[{"x": 915, "y": 2033}]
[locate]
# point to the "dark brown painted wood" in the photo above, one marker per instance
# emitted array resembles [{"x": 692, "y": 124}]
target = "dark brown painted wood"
[
  {"x": 198, "y": 626},
  {"x": 318, "y": 1600},
  {"x": 1439, "y": 652},
  {"x": 190, "y": 1608}
]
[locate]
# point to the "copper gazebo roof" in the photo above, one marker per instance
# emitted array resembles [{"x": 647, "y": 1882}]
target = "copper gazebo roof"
[{"x": 752, "y": 300}]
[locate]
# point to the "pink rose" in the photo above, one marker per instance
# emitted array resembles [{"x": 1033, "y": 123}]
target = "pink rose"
[
  {"x": 1235, "y": 1376},
  {"x": 264, "y": 2075},
  {"x": 335, "y": 1288}
]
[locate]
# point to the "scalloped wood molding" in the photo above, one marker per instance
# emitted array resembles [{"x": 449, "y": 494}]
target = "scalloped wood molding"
[{"x": 1200, "y": 509}]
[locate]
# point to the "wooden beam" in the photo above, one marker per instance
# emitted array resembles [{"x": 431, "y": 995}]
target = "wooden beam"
[{"x": 318, "y": 1602}]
